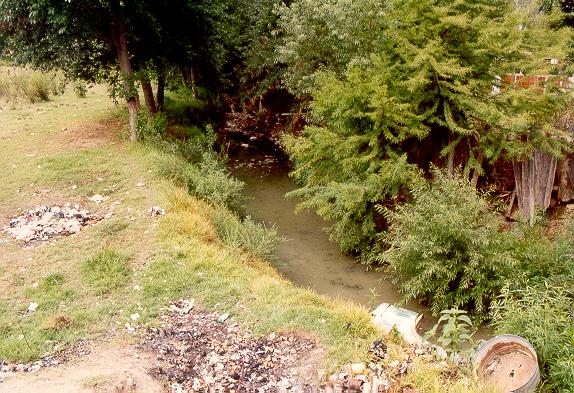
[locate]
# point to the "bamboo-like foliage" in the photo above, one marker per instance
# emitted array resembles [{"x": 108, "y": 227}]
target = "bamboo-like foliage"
[
  {"x": 422, "y": 92},
  {"x": 445, "y": 247}
]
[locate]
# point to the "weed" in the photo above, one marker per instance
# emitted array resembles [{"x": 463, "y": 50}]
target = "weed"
[
  {"x": 106, "y": 271},
  {"x": 31, "y": 86},
  {"x": 151, "y": 127},
  {"x": 208, "y": 179},
  {"x": 455, "y": 331},
  {"x": 544, "y": 315},
  {"x": 81, "y": 89},
  {"x": 258, "y": 239}
]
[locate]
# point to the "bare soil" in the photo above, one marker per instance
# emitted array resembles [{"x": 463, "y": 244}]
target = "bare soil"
[
  {"x": 113, "y": 367},
  {"x": 85, "y": 135}
]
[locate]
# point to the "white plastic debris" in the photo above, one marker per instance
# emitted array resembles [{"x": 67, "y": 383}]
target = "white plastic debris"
[
  {"x": 223, "y": 318},
  {"x": 32, "y": 307},
  {"x": 182, "y": 306},
  {"x": 97, "y": 198},
  {"x": 43, "y": 222}
]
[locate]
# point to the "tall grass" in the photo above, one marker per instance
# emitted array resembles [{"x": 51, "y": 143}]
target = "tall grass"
[
  {"x": 258, "y": 239},
  {"x": 18, "y": 85}
]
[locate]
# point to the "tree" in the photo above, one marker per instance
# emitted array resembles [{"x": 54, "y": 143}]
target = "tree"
[{"x": 425, "y": 93}]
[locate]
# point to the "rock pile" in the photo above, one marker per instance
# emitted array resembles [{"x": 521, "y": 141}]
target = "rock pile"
[
  {"x": 199, "y": 354},
  {"x": 379, "y": 375},
  {"x": 44, "y": 222}
]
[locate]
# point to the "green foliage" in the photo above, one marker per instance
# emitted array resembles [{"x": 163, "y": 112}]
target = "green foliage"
[
  {"x": 106, "y": 271},
  {"x": 80, "y": 88},
  {"x": 343, "y": 167},
  {"x": 258, "y": 239},
  {"x": 153, "y": 126},
  {"x": 383, "y": 111},
  {"x": 195, "y": 165},
  {"x": 455, "y": 332},
  {"x": 544, "y": 315},
  {"x": 446, "y": 247},
  {"x": 327, "y": 35}
]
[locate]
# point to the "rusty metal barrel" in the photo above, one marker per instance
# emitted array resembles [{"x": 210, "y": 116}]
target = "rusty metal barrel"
[{"x": 508, "y": 362}]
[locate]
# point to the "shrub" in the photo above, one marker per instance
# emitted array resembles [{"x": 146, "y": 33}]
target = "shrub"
[
  {"x": 150, "y": 127},
  {"x": 258, "y": 239},
  {"x": 544, "y": 315},
  {"x": 106, "y": 271},
  {"x": 207, "y": 178},
  {"x": 32, "y": 86},
  {"x": 446, "y": 247},
  {"x": 81, "y": 89}
]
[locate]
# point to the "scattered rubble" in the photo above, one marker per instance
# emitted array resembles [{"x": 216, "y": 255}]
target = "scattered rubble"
[
  {"x": 156, "y": 211},
  {"x": 379, "y": 375},
  {"x": 198, "y": 354},
  {"x": 81, "y": 348},
  {"x": 98, "y": 198},
  {"x": 43, "y": 223}
]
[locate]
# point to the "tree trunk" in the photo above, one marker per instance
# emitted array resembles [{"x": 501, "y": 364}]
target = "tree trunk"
[
  {"x": 160, "y": 88},
  {"x": 183, "y": 75},
  {"x": 450, "y": 156},
  {"x": 480, "y": 160},
  {"x": 193, "y": 82},
  {"x": 132, "y": 98},
  {"x": 534, "y": 179},
  {"x": 148, "y": 96}
]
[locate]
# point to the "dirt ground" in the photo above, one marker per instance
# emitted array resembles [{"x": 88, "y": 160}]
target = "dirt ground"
[{"x": 110, "y": 367}]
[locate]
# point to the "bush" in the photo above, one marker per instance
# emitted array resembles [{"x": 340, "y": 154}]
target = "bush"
[
  {"x": 544, "y": 315},
  {"x": 81, "y": 89},
  {"x": 258, "y": 239},
  {"x": 446, "y": 247},
  {"x": 150, "y": 127},
  {"x": 198, "y": 168}
]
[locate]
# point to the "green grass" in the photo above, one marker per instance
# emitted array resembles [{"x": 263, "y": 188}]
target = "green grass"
[{"x": 106, "y": 271}]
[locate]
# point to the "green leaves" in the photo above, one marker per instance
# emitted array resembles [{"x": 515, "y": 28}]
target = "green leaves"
[
  {"x": 543, "y": 314},
  {"x": 455, "y": 330},
  {"x": 446, "y": 248}
]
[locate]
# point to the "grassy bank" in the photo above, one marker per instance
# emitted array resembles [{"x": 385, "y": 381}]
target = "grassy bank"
[{"x": 92, "y": 284}]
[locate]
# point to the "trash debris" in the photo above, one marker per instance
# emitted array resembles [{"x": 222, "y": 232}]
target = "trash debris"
[
  {"x": 135, "y": 317},
  {"x": 196, "y": 354},
  {"x": 32, "y": 307},
  {"x": 222, "y": 318},
  {"x": 182, "y": 306},
  {"x": 97, "y": 198},
  {"x": 156, "y": 211},
  {"x": 43, "y": 223}
]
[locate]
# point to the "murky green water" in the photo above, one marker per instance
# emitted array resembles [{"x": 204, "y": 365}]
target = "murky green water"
[{"x": 308, "y": 258}]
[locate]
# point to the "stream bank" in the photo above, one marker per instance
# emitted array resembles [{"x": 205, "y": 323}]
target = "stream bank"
[{"x": 308, "y": 258}]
